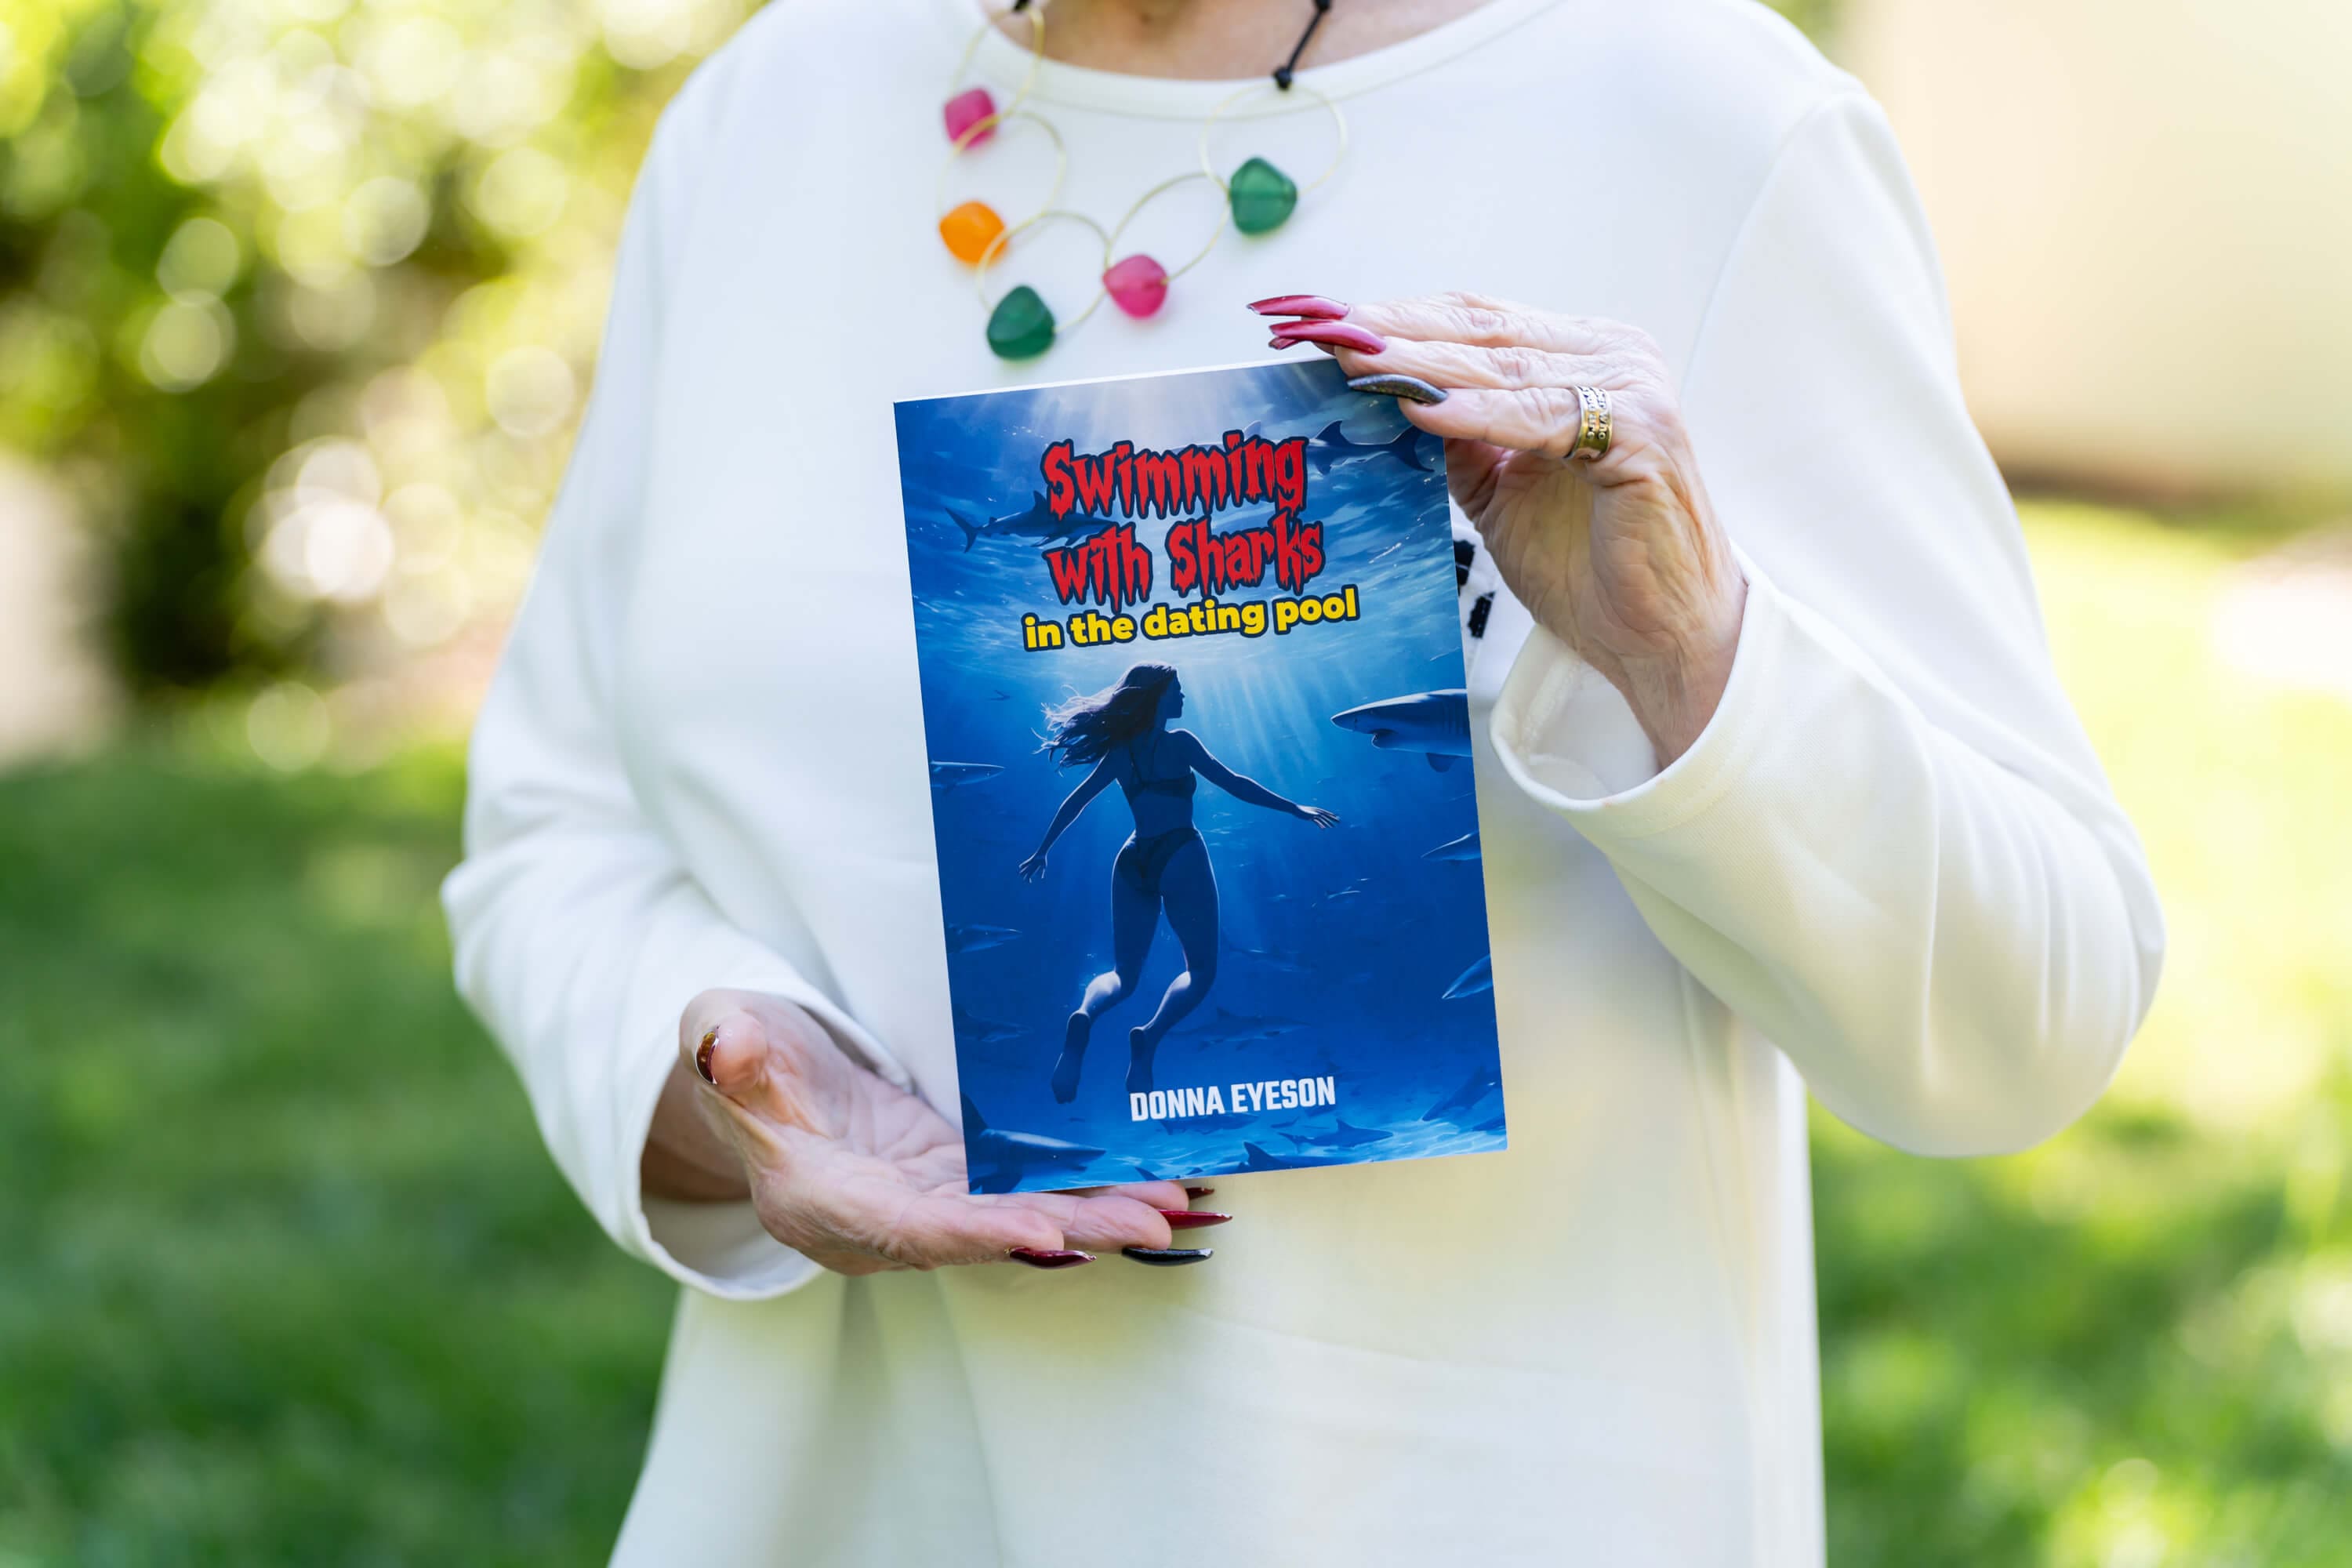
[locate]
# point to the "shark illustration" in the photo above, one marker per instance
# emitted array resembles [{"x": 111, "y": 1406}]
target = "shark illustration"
[
  {"x": 1282, "y": 961},
  {"x": 1038, "y": 523},
  {"x": 1346, "y": 1137},
  {"x": 947, "y": 775},
  {"x": 1009, "y": 1156},
  {"x": 1256, "y": 1159},
  {"x": 1238, "y": 1026},
  {"x": 973, "y": 938},
  {"x": 1330, "y": 445},
  {"x": 980, "y": 1031},
  {"x": 1436, "y": 723},
  {"x": 1483, "y": 1079},
  {"x": 1479, "y": 976},
  {"x": 1463, "y": 848}
]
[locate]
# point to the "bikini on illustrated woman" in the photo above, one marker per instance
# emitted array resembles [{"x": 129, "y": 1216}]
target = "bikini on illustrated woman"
[{"x": 1163, "y": 866}]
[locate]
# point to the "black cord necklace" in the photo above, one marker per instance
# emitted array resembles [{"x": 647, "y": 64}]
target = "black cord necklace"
[
  {"x": 1259, "y": 197},
  {"x": 1283, "y": 72}
]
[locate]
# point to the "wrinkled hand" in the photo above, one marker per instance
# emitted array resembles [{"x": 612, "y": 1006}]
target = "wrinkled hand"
[
  {"x": 1621, "y": 558},
  {"x": 860, "y": 1176}
]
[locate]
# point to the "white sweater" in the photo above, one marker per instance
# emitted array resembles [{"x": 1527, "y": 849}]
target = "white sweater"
[{"x": 1890, "y": 869}]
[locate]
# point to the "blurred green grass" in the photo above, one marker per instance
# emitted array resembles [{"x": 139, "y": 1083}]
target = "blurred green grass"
[
  {"x": 285, "y": 1275},
  {"x": 2133, "y": 1345}
]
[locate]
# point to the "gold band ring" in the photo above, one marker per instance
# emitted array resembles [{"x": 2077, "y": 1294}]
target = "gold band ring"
[{"x": 1593, "y": 431}]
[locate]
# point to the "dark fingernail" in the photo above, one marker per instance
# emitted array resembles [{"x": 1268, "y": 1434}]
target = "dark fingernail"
[
  {"x": 1198, "y": 1191},
  {"x": 1039, "y": 1258},
  {"x": 1191, "y": 1219},
  {"x": 1344, "y": 334},
  {"x": 1168, "y": 1257},
  {"x": 1394, "y": 386},
  {"x": 1314, "y": 307},
  {"x": 702, "y": 1058}
]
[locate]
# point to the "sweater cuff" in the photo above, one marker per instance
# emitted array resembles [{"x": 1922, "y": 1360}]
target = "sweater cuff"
[
  {"x": 720, "y": 1249},
  {"x": 1544, "y": 730}
]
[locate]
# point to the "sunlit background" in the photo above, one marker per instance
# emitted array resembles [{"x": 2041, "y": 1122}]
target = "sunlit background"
[{"x": 299, "y": 299}]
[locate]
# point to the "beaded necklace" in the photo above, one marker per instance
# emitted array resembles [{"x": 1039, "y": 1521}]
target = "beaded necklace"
[{"x": 1259, "y": 197}]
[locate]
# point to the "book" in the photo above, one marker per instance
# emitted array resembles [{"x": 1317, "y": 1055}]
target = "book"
[{"x": 1200, "y": 777}]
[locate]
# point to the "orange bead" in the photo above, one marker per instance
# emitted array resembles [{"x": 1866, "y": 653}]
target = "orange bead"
[{"x": 970, "y": 229}]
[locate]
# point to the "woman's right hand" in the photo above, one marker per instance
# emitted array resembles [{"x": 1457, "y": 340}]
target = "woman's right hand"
[
  {"x": 1318, "y": 815},
  {"x": 1033, "y": 868},
  {"x": 860, "y": 1176}
]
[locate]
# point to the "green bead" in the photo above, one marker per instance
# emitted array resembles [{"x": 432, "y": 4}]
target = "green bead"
[
  {"x": 1263, "y": 196},
  {"x": 1021, "y": 327}
]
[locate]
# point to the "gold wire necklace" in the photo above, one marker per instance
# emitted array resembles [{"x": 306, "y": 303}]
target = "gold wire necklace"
[{"x": 1259, "y": 197}]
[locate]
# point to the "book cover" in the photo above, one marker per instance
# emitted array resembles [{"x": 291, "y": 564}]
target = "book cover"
[{"x": 1199, "y": 777}]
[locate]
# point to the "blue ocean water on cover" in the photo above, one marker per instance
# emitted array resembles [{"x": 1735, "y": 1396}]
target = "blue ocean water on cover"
[{"x": 1356, "y": 952}]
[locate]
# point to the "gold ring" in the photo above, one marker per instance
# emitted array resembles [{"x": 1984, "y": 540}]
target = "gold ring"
[{"x": 1592, "y": 431}]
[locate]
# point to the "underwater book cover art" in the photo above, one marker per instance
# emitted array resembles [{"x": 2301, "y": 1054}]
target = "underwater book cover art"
[{"x": 1200, "y": 778}]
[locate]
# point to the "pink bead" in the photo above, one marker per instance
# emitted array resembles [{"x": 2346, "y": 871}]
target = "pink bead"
[
  {"x": 1138, "y": 285},
  {"x": 966, "y": 110}
]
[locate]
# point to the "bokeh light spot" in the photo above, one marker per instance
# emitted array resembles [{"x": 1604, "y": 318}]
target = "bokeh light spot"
[
  {"x": 187, "y": 343},
  {"x": 288, "y": 726},
  {"x": 528, "y": 391},
  {"x": 203, "y": 256}
]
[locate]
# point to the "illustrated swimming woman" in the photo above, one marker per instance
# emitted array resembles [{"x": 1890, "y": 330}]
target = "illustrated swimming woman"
[{"x": 1123, "y": 733}]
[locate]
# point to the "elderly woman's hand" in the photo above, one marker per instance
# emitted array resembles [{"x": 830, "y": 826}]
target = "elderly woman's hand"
[
  {"x": 861, "y": 1177},
  {"x": 1621, "y": 558}
]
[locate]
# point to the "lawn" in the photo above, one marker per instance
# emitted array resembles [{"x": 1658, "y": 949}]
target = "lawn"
[
  {"x": 285, "y": 1275},
  {"x": 2133, "y": 1345}
]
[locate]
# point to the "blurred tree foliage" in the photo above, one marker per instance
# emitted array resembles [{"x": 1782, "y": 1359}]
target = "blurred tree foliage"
[{"x": 301, "y": 297}]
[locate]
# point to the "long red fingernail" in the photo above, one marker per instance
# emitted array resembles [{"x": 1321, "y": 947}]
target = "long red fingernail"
[
  {"x": 1313, "y": 306},
  {"x": 1040, "y": 1257},
  {"x": 1198, "y": 1191},
  {"x": 702, "y": 1058},
  {"x": 1344, "y": 334},
  {"x": 1192, "y": 1219}
]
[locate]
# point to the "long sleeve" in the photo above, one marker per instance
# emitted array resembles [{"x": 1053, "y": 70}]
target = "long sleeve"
[
  {"x": 579, "y": 936},
  {"x": 1891, "y": 851}
]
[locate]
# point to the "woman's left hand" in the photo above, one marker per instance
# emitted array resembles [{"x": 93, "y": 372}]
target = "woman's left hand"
[{"x": 1619, "y": 557}]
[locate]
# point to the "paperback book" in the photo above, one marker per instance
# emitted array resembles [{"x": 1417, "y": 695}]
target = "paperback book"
[{"x": 1201, "y": 779}]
